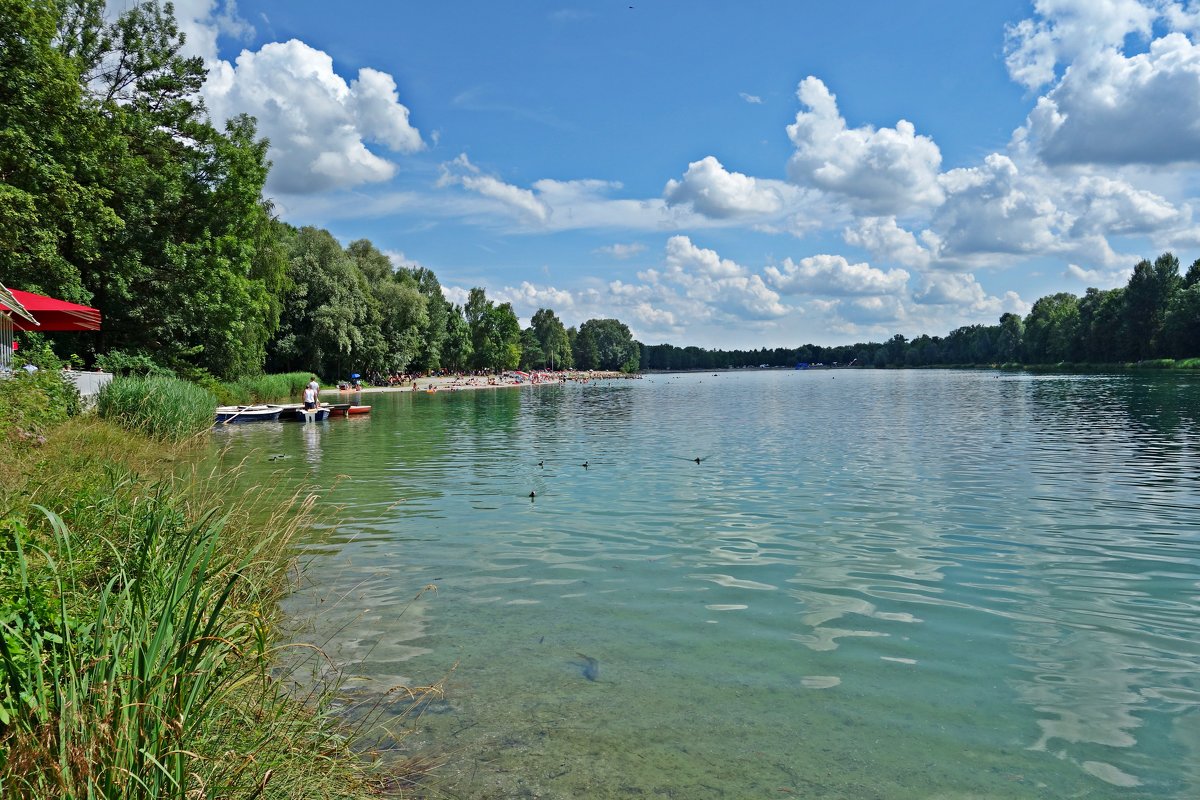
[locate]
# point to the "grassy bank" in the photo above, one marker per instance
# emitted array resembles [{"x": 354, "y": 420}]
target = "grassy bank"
[{"x": 138, "y": 618}]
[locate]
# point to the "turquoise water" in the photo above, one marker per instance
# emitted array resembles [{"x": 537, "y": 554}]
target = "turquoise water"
[{"x": 875, "y": 584}]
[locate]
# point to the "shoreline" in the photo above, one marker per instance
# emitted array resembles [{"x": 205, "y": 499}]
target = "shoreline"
[{"x": 456, "y": 383}]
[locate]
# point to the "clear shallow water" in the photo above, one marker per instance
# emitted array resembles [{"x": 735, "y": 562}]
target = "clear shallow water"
[{"x": 891, "y": 584}]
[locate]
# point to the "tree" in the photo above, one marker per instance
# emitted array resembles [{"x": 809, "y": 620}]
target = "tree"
[
  {"x": 552, "y": 339},
  {"x": 1051, "y": 329},
  {"x": 331, "y": 324},
  {"x": 1147, "y": 296},
  {"x": 1100, "y": 338},
  {"x": 53, "y": 206},
  {"x": 606, "y": 344},
  {"x": 1009, "y": 337},
  {"x": 456, "y": 345},
  {"x": 532, "y": 355},
  {"x": 1181, "y": 325},
  {"x": 116, "y": 190},
  {"x": 495, "y": 332},
  {"x": 430, "y": 355},
  {"x": 401, "y": 309}
]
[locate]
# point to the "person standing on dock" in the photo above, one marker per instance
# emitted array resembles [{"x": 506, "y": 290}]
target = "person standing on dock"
[{"x": 310, "y": 394}]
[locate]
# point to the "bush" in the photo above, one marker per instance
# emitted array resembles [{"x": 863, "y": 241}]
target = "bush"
[
  {"x": 35, "y": 402},
  {"x": 118, "y": 362},
  {"x": 167, "y": 409}
]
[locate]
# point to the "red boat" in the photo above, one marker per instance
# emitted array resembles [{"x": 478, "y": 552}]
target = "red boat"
[{"x": 359, "y": 410}]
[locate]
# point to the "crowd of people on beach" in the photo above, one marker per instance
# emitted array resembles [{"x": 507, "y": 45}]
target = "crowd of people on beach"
[{"x": 474, "y": 379}]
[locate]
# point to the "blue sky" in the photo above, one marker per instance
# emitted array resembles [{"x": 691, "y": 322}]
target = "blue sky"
[{"x": 731, "y": 174}]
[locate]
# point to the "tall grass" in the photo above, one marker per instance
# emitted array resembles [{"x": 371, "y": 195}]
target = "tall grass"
[
  {"x": 266, "y": 388},
  {"x": 162, "y": 408},
  {"x": 137, "y": 635}
]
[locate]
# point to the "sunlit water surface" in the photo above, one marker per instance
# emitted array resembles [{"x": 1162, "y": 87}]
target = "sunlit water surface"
[{"x": 901, "y": 584}]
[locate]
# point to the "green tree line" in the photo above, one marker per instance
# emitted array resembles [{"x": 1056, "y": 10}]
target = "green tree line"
[
  {"x": 1156, "y": 315},
  {"x": 117, "y": 191}
]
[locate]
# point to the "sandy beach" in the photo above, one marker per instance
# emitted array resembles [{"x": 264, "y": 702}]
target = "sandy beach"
[{"x": 454, "y": 383}]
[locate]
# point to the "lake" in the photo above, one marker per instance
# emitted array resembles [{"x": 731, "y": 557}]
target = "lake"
[{"x": 873, "y": 584}]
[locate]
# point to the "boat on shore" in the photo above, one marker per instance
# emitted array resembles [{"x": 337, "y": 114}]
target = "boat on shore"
[{"x": 227, "y": 414}]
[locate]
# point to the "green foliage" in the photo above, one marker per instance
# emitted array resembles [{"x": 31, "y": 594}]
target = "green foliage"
[
  {"x": 1051, "y": 329},
  {"x": 34, "y": 403},
  {"x": 116, "y": 191},
  {"x": 119, "y": 362},
  {"x": 169, "y": 409},
  {"x": 266, "y": 388},
  {"x": 433, "y": 333},
  {"x": 456, "y": 346},
  {"x": 53, "y": 210},
  {"x": 34, "y": 620},
  {"x": 135, "y": 633},
  {"x": 495, "y": 333},
  {"x": 606, "y": 344},
  {"x": 552, "y": 340},
  {"x": 1147, "y": 297},
  {"x": 331, "y": 322}
]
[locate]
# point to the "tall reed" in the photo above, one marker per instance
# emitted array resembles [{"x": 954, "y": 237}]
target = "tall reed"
[
  {"x": 162, "y": 408},
  {"x": 136, "y": 643},
  {"x": 267, "y": 388}
]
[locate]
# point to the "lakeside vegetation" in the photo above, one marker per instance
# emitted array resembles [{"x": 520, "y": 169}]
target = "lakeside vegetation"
[{"x": 139, "y": 616}]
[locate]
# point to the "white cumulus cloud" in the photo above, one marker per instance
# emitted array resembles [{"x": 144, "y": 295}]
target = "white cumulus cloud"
[
  {"x": 1114, "y": 109},
  {"x": 834, "y": 275},
  {"x": 318, "y": 125},
  {"x": 1068, "y": 30},
  {"x": 886, "y": 241},
  {"x": 882, "y": 171},
  {"x": 721, "y": 284},
  {"x": 714, "y": 191}
]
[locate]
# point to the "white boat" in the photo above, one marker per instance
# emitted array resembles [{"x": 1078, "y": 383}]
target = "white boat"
[{"x": 227, "y": 414}]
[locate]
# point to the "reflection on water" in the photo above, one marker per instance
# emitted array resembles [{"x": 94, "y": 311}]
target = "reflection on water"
[{"x": 892, "y": 584}]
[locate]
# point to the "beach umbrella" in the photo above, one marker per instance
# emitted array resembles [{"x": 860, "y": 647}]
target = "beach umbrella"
[{"x": 355, "y": 375}]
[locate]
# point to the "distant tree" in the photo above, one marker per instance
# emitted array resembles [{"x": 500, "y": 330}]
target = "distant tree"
[
  {"x": 1051, "y": 328},
  {"x": 456, "y": 351},
  {"x": 583, "y": 348},
  {"x": 1181, "y": 325},
  {"x": 332, "y": 323},
  {"x": 552, "y": 339},
  {"x": 495, "y": 333},
  {"x": 1193, "y": 275},
  {"x": 532, "y": 355},
  {"x": 1100, "y": 337},
  {"x": 606, "y": 344},
  {"x": 1147, "y": 296},
  {"x": 399, "y": 310},
  {"x": 1009, "y": 337},
  {"x": 437, "y": 312}
]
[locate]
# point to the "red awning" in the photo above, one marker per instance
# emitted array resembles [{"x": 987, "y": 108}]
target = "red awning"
[{"x": 53, "y": 315}]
